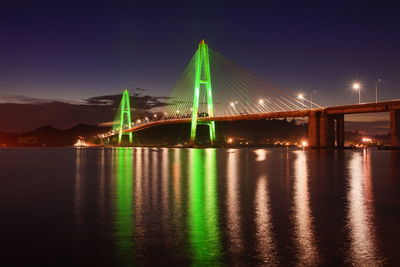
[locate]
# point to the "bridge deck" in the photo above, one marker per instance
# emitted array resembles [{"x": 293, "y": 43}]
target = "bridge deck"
[
  {"x": 348, "y": 109},
  {"x": 239, "y": 117},
  {"x": 364, "y": 108}
]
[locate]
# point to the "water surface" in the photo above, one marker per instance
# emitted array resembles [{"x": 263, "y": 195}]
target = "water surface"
[{"x": 149, "y": 206}]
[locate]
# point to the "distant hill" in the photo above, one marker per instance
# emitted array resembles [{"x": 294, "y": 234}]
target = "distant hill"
[{"x": 50, "y": 136}]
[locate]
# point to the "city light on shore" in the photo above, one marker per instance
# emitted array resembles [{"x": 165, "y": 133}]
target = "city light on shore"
[{"x": 304, "y": 143}]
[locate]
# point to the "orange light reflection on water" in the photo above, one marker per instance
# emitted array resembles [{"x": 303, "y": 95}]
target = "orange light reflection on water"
[
  {"x": 266, "y": 246},
  {"x": 304, "y": 231},
  {"x": 363, "y": 249},
  {"x": 79, "y": 186}
]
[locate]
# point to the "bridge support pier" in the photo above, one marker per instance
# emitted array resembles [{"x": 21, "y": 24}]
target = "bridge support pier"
[
  {"x": 395, "y": 128},
  {"x": 313, "y": 129},
  {"x": 325, "y": 131},
  {"x": 339, "y": 130}
]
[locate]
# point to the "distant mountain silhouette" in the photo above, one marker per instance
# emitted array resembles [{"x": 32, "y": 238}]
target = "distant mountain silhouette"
[{"x": 49, "y": 136}]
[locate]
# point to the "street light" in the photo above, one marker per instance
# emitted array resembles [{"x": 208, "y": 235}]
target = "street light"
[
  {"x": 311, "y": 103},
  {"x": 357, "y": 87},
  {"x": 376, "y": 89},
  {"x": 301, "y": 97},
  {"x": 233, "y": 106}
]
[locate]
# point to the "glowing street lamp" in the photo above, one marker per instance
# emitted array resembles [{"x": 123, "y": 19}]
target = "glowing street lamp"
[
  {"x": 261, "y": 102},
  {"x": 233, "y": 106},
  {"x": 301, "y": 97},
  {"x": 357, "y": 87},
  {"x": 311, "y": 95},
  {"x": 304, "y": 143}
]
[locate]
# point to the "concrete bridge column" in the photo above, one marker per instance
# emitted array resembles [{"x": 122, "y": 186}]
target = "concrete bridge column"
[
  {"x": 326, "y": 131},
  {"x": 313, "y": 129},
  {"x": 395, "y": 128},
  {"x": 339, "y": 131}
]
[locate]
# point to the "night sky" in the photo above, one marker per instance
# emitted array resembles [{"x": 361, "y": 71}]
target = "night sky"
[{"x": 74, "y": 51}]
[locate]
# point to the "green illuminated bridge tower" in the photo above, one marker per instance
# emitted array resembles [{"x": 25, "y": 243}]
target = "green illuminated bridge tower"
[
  {"x": 122, "y": 119},
  {"x": 202, "y": 82}
]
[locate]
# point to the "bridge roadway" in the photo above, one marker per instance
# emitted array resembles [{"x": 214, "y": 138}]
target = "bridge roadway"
[{"x": 325, "y": 125}]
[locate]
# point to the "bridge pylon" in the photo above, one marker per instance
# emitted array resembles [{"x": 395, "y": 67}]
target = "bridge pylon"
[
  {"x": 123, "y": 118},
  {"x": 202, "y": 82}
]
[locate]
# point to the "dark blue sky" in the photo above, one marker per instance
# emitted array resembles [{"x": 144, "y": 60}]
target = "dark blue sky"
[{"x": 76, "y": 50}]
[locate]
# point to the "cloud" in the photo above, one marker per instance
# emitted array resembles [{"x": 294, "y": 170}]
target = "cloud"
[
  {"x": 138, "y": 102},
  {"x": 23, "y": 99}
]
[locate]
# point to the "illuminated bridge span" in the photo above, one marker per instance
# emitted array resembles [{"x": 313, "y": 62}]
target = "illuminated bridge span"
[{"x": 213, "y": 88}]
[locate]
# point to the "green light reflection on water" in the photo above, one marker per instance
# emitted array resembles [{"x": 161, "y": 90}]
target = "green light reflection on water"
[
  {"x": 124, "y": 230},
  {"x": 204, "y": 229}
]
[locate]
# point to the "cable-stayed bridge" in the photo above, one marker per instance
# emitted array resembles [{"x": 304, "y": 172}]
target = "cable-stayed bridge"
[{"x": 214, "y": 88}]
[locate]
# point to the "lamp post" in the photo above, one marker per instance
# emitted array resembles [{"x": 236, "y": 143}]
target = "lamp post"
[
  {"x": 233, "y": 106},
  {"x": 357, "y": 87},
  {"x": 261, "y": 102},
  {"x": 376, "y": 89},
  {"x": 301, "y": 97},
  {"x": 311, "y": 95}
]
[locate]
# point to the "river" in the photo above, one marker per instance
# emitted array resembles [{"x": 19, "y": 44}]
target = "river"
[{"x": 228, "y": 207}]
